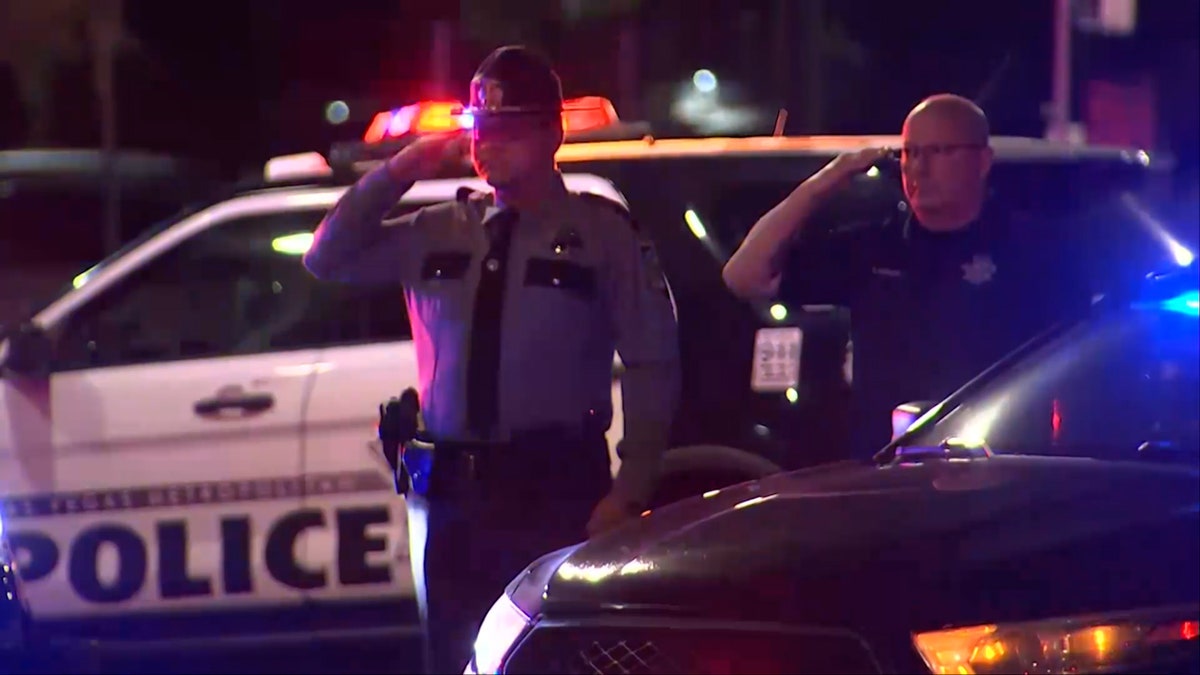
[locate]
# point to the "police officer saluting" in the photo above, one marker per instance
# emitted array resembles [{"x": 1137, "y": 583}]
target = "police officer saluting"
[
  {"x": 938, "y": 291},
  {"x": 517, "y": 300}
]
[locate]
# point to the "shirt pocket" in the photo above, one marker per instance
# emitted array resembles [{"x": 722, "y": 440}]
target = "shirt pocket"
[
  {"x": 443, "y": 287},
  {"x": 573, "y": 280},
  {"x": 560, "y": 297},
  {"x": 445, "y": 266}
]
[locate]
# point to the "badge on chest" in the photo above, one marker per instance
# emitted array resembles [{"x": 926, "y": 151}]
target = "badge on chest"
[{"x": 979, "y": 270}]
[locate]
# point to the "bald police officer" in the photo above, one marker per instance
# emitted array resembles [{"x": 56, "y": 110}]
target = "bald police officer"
[
  {"x": 517, "y": 299},
  {"x": 938, "y": 291}
]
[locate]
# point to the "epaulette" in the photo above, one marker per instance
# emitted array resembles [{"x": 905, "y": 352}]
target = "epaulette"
[
  {"x": 466, "y": 195},
  {"x": 611, "y": 205},
  {"x": 472, "y": 202}
]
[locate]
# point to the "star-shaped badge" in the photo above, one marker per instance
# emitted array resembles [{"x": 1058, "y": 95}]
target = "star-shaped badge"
[{"x": 980, "y": 270}]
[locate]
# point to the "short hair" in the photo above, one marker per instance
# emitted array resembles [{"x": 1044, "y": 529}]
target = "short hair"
[{"x": 962, "y": 111}]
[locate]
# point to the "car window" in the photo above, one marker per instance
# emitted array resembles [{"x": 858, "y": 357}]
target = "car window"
[
  {"x": 1102, "y": 390},
  {"x": 63, "y": 227},
  {"x": 235, "y": 289},
  {"x": 738, "y": 204}
]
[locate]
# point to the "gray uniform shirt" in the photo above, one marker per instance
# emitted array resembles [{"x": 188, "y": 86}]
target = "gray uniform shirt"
[{"x": 580, "y": 283}]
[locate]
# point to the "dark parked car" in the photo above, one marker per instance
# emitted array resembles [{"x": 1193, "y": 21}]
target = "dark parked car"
[{"x": 1043, "y": 519}]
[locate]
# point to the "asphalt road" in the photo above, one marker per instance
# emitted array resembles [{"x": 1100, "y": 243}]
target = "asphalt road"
[{"x": 376, "y": 657}]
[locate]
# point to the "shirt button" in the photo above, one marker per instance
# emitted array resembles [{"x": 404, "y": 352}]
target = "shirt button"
[
  {"x": 555, "y": 281},
  {"x": 493, "y": 264}
]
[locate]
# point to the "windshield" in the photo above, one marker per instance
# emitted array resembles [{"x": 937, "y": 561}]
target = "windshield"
[
  {"x": 60, "y": 270},
  {"x": 1102, "y": 388}
]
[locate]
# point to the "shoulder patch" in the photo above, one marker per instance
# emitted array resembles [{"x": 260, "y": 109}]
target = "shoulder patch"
[{"x": 610, "y": 205}]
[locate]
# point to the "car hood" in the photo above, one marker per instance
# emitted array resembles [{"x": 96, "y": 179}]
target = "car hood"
[{"x": 975, "y": 539}]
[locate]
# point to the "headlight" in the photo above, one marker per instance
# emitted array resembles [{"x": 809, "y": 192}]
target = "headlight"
[
  {"x": 499, "y": 631},
  {"x": 1143, "y": 641}
]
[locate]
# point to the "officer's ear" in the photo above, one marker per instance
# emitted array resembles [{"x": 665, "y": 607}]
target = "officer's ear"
[
  {"x": 985, "y": 162},
  {"x": 558, "y": 135}
]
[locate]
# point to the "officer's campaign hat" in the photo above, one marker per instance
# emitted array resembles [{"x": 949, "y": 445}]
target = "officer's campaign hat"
[{"x": 514, "y": 80}]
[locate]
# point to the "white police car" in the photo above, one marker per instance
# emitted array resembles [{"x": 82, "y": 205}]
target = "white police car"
[{"x": 187, "y": 433}]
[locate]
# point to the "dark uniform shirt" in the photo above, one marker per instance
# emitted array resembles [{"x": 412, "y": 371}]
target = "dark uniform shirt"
[
  {"x": 929, "y": 310},
  {"x": 530, "y": 307}
]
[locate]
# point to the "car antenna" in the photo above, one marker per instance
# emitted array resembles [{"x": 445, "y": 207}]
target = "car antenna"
[
  {"x": 780, "y": 122},
  {"x": 989, "y": 85}
]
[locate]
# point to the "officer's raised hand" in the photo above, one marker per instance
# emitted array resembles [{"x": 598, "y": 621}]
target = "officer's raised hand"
[
  {"x": 754, "y": 269},
  {"x": 838, "y": 172},
  {"x": 426, "y": 157},
  {"x": 355, "y": 244}
]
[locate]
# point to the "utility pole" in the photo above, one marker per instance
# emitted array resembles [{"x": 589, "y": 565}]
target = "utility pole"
[{"x": 1058, "y": 111}]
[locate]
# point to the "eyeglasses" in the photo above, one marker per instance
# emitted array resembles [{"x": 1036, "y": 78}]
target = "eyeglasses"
[
  {"x": 511, "y": 127},
  {"x": 911, "y": 152}
]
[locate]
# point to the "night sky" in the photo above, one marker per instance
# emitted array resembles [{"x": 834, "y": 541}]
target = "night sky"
[{"x": 237, "y": 81}]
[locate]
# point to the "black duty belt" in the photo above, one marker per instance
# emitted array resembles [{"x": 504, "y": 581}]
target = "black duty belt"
[
  {"x": 539, "y": 436},
  {"x": 470, "y": 459}
]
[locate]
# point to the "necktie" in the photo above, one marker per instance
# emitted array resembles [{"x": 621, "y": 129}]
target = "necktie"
[{"x": 483, "y": 367}]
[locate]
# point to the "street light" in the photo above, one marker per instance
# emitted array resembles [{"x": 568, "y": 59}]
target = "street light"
[
  {"x": 704, "y": 81},
  {"x": 337, "y": 112}
]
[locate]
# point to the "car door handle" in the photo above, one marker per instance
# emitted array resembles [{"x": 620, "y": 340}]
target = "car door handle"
[{"x": 249, "y": 403}]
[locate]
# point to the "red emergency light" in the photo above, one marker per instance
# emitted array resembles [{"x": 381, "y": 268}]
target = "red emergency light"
[
  {"x": 588, "y": 112},
  {"x": 426, "y": 117},
  {"x": 429, "y": 117}
]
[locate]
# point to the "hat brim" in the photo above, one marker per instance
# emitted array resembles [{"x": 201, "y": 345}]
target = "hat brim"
[
  {"x": 506, "y": 111},
  {"x": 521, "y": 110}
]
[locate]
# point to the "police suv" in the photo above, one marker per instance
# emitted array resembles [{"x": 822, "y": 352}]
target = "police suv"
[
  {"x": 187, "y": 432},
  {"x": 1041, "y": 519}
]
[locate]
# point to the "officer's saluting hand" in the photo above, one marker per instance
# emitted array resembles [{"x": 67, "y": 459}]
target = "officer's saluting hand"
[
  {"x": 517, "y": 299},
  {"x": 427, "y": 156}
]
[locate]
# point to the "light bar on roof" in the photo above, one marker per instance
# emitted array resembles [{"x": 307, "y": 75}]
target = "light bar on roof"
[
  {"x": 426, "y": 117},
  {"x": 292, "y": 167},
  {"x": 585, "y": 113}
]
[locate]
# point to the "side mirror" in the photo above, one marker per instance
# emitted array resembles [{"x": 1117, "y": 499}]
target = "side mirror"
[
  {"x": 30, "y": 351},
  {"x": 905, "y": 414}
]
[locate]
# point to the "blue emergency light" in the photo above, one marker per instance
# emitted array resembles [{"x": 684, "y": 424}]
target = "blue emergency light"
[{"x": 1186, "y": 303}]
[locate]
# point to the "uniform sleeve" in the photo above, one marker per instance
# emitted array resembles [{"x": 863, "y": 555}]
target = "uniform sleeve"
[
  {"x": 355, "y": 244},
  {"x": 823, "y": 269},
  {"x": 647, "y": 340}
]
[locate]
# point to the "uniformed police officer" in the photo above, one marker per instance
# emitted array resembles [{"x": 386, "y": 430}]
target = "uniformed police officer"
[
  {"x": 940, "y": 290},
  {"x": 517, "y": 299}
]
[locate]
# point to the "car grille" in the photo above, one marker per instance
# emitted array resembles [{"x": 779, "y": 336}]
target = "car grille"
[
  {"x": 624, "y": 658},
  {"x": 579, "y": 650}
]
